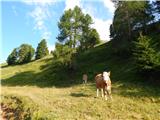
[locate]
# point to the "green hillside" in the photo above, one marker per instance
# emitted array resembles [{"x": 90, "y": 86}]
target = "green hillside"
[{"x": 41, "y": 90}]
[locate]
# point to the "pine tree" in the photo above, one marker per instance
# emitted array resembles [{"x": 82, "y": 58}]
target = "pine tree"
[
  {"x": 42, "y": 50},
  {"x": 145, "y": 56},
  {"x": 12, "y": 58},
  {"x": 20, "y": 55},
  {"x": 25, "y": 53},
  {"x": 129, "y": 16},
  {"x": 157, "y": 3}
]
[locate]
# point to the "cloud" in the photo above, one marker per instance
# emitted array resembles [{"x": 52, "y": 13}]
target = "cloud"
[
  {"x": 102, "y": 27},
  {"x": 14, "y": 10},
  {"x": 70, "y": 4},
  {"x": 39, "y": 2},
  {"x": 50, "y": 47},
  {"x": 41, "y": 15},
  {"x": 109, "y": 5}
]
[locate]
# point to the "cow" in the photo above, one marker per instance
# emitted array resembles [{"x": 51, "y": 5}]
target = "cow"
[
  {"x": 103, "y": 82},
  {"x": 85, "y": 77}
]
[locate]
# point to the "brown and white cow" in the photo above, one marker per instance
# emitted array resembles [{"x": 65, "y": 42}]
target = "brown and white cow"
[{"x": 103, "y": 82}]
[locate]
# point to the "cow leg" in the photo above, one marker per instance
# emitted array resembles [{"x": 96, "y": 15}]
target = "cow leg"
[
  {"x": 109, "y": 91},
  {"x": 102, "y": 92},
  {"x": 105, "y": 95},
  {"x": 97, "y": 92}
]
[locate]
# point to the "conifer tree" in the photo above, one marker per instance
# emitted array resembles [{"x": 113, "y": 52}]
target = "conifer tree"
[
  {"x": 25, "y": 53},
  {"x": 42, "y": 50},
  {"x": 145, "y": 56},
  {"x": 12, "y": 58},
  {"x": 20, "y": 55}
]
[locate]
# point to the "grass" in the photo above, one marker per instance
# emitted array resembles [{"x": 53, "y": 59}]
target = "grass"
[{"x": 55, "y": 94}]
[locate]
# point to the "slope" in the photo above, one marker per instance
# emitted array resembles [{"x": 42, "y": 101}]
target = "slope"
[{"x": 48, "y": 92}]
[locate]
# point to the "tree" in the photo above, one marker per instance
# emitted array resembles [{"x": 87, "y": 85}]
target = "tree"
[
  {"x": 74, "y": 28},
  {"x": 75, "y": 34},
  {"x": 22, "y": 54},
  {"x": 157, "y": 6},
  {"x": 42, "y": 50},
  {"x": 93, "y": 38},
  {"x": 89, "y": 40},
  {"x": 63, "y": 54},
  {"x": 146, "y": 58},
  {"x": 128, "y": 17},
  {"x": 69, "y": 26},
  {"x": 25, "y": 53},
  {"x": 12, "y": 58}
]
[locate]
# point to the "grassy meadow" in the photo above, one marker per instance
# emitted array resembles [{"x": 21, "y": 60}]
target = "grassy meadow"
[{"x": 40, "y": 91}]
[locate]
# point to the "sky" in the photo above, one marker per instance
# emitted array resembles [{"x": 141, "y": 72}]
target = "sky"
[{"x": 30, "y": 21}]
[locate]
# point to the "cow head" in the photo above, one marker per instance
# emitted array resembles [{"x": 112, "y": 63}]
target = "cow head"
[{"x": 106, "y": 75}]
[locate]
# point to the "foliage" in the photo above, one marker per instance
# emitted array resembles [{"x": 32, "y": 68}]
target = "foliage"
[
  {"x": 63, "y": 54},
  {"x": 42, "y": 50},
  {"x": 147, "y": 59},
  {"x": 12, "y": 58},
  {"x": 26, "y": 53},
  {"x": 128, "y": 17},
  {"x": 89, "y": 40},
  {"x": 70, "y": 27},
  {"x": 20, "y": 55},
  {"x": 75, "y": 35},
  {"x": 157, "y": 3}
]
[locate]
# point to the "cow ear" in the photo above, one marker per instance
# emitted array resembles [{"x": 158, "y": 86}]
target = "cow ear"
[{"x": 109, "y": 73}]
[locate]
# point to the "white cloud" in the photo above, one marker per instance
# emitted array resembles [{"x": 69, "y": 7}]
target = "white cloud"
[
  {"x": 39, "y": 2},
  {"x": 50, "y": 47},
  {"x": 102, "y": 27},
  {"x": 70, "y": 4},
  {"x": 109, "y": 5},
  {"x": 41, "y": 14}
]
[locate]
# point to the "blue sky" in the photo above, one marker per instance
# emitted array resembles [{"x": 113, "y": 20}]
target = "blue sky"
[{"x": 29, "y": 21}]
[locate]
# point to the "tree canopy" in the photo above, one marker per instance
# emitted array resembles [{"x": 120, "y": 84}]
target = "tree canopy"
[
  {"x": 128, "y": 17},
  {"x": 22, "y": 54}
]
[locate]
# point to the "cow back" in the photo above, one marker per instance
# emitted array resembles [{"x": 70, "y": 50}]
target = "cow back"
[{"x": 100, "y": 83}]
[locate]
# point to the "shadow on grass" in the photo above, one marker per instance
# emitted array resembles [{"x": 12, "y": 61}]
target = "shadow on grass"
[
  {"x": 49, "y": 76},
  {"x": 136, "y": 89},
  {"x": 4, "y": 66},
  {"x": 79, "y": 95}
]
